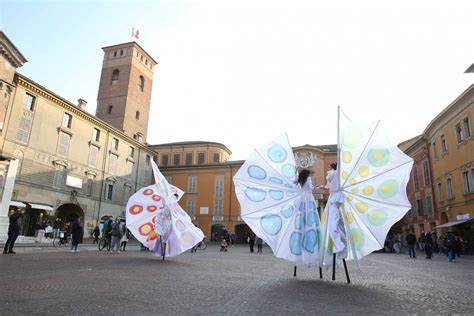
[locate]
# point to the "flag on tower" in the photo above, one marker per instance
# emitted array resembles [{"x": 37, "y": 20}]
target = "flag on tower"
[{"x": 135, "y": 33}]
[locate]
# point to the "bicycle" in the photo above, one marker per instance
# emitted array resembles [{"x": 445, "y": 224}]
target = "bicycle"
[
  {"x": 61, "y": 241},
  {"x": 103, "y": 243},
  {"x": 200, "y": 245}
]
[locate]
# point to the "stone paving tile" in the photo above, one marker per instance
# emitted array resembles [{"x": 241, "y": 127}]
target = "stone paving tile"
[{"x": 233, "y": 283}]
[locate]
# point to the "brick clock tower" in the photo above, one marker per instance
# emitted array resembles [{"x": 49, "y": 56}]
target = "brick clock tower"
[{"x": 125, "y": 89}]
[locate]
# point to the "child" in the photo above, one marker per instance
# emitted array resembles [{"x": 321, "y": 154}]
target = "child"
[{"x": 223, "y": 245}]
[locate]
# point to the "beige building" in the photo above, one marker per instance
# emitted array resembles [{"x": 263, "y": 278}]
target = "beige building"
[{"x": 59, "y": 158}]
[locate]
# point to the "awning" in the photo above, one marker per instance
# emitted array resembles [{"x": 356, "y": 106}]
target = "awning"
[
  {"x": 449, "y": 224},
  {"x": 41, "y": 207},
  {"x": 17, "y": 204}
]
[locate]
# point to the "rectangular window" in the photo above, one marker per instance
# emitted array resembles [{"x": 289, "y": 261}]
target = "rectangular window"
[
  {"x": 126, "y": 194},
  {"x": 58, "y": 177},
  {"x": 176, "y": 159},
  {"x": 148, "y": 160},
  {"x": 419, "y": 204},
  {"x": 192, "y": 184},
  {"x": 93, "y": 152},
  {"x": 449, "y": 184},
  {"x": 218, "y": 195},
  {"x": 115, "y": 144},
  {"x": 113, "y": 163},
  {"x": 30, "y": 102},
  {"x": 444, "y": 145},
  {"x": 95, "y": 134},
  {"x": 89, "y": 187},
  {"x": 67, "y": 120},
  {"x": 63, "y": 144},
  {"x": 426, "y": 173},
  {"x": 467, "y": 127},
  {"x": 191, "y": 206},
  {"x": 131, "y": 152},
  {"x": 216, "y": 157},
  {"x": 129, "y": 168},
  {"x": 459, "y": 136},
  {"x": 440, "y": 191},
  {"x": 466, "y": 178},
  {"x": 435, "y": 151},
  {"x": 109, "y": 192},
  {"x": 414, "y": 209},
  {"x": 415, "y": 178},
  {"x": 164, "y": 160},
  {"x": 23, "y": 131},
  {"x": 428, "y": 205},
  {"x": 189, "y": 159},
  {"x": 200, "y": 158}
]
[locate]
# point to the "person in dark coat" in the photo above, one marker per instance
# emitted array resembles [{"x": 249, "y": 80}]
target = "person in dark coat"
[
  {"x": 76, "y": 232},
  {"x": 251, "y": 241},
  {"x": 13, "y": 229},
  {"x": 411, "y": 241},
  {"x": 428, "y": 245},
  {"x": 96, "y": 234}
]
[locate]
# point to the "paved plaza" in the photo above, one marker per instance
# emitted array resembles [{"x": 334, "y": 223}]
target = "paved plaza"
[{"x": 49, "y": 281}]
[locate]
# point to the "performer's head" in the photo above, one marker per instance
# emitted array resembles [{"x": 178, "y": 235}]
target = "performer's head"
[
  {"x": 303, "y": 176},
  {"x": 333, "y": 166}
]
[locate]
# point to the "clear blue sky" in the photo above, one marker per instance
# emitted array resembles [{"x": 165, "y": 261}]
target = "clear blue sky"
[{"x": 244, "y": 72}]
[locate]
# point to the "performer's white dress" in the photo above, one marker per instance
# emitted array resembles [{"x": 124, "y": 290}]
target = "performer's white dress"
[{"x": 335, "y": 223}]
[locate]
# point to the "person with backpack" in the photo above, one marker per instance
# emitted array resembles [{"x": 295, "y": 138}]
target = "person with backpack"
[{"x": 117, "y": 233}]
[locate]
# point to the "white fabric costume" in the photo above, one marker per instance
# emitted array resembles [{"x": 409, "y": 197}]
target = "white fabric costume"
[
  {"x": 275, "y": 207},
  {"x": 154, "y": 217},
  {"x": 335, "y": 223}
]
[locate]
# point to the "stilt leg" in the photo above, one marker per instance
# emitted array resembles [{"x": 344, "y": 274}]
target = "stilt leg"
[
  {"x": 320, "y": 273},
  {"x": 294, "y": 272},
  {"x": 347, "y": 272},
  {"x": 334, "y": 266}
]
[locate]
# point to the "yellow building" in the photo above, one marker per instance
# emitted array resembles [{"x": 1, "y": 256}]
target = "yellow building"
[{"x": 451, "y": 148}]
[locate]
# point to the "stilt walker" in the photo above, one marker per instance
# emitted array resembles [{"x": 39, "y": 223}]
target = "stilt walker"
[{"x": 370, "y": 195}]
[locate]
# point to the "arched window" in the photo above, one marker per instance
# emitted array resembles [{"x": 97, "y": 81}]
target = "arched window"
[
  {"x": 142, "y": 83},
  {"x": 110, "y": 109},
  {"x": 115, "y": 75},
  {"x": 121, "y": 52},
  {"x": 137, "y": 115},
  {"x": 115, "y": 54}
]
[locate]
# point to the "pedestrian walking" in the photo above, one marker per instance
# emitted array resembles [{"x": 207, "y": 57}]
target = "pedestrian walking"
[
  {"x": 259, "y": 245},
  {"x": 233, "y": 237},
  {"x": 76, "y": 231},
  {"x": 421, "y": 241},
  {"x": 428, "y": 245},
  {"x": 251, "y": 241},
  {"x": 125, "y": 238},
  {"x": 411, "y": 241},
  {"x": 13, "y": 229},
  {"x": 57, "y": 226},
  {"x": 96, "y": 234},
  {"x": 117, "y": 233},
  {"x": 451, "y": 247}
]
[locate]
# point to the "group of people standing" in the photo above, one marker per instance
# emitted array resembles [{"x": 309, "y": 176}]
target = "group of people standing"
[
  {"x": 116, "y": 234},
  {"x": 449, "y": 245}
]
